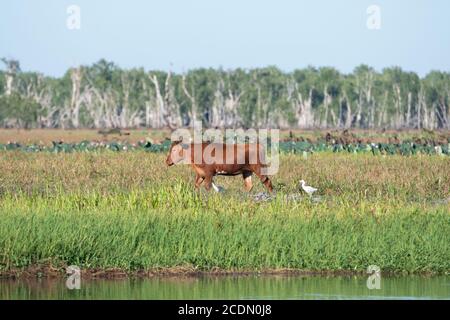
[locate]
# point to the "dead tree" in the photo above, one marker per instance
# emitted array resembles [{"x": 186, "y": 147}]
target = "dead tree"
[
  {"x": 12, "y": 68},
  {"x": 75, "y": 99},
  {"x": 167, "y": 110},
  {"x": 191, "y": 97}
]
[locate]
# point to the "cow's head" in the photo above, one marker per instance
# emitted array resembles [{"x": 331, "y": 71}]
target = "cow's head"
[{"x": 176, "y": 153}]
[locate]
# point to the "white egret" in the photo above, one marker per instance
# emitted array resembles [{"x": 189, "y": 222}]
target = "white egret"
[{"x": 309, "y": 190}]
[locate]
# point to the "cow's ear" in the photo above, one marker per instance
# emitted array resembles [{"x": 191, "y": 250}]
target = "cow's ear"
[{"x": 185, "y": 146}]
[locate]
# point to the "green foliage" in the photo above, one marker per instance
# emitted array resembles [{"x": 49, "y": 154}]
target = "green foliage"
[
  {"x": 2, "y": 82},
  {"x": 263, "y": 97},
  {"x": 22, "y": 110}
]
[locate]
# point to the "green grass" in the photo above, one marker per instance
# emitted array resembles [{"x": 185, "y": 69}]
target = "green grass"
[
  {"x": 129, "y": 212},
  {"x": 138, "y": 231}
]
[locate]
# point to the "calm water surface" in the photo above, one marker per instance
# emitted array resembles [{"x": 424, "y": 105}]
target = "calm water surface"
[{"x": 228, "y": 287}]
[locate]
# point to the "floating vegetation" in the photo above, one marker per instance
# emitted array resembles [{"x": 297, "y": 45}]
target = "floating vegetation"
[{"x": 405, "y": 148}]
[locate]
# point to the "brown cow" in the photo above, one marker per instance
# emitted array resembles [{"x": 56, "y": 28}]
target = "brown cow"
[{"x": 211, "y": 159}]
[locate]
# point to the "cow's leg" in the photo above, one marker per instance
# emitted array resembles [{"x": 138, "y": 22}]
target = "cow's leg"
[
  {"x": 267, "y": 183},
  {"x": 208, "y": 182},
  {"x": 264, "y": 179},
  {"x": 247, "y": 175},
  {"x": 198, "y": 180}
]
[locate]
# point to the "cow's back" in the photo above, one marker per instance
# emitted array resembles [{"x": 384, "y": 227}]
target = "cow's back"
[{"x": 226, "y": 156}]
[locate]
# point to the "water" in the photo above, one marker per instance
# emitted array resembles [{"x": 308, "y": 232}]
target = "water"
[{"x": 229, "y": 287}]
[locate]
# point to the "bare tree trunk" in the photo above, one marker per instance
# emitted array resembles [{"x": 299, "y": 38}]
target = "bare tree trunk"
[
  {"x": 9, "y": 82},
  {"x": 441, "y": 112},
  {"x": 258, "y": 108},
  {"x": 304, "y": 113},
  {"x": 231, "y": 106},
  {"x": 217, "y": 117},
  {"x": 167, "y": 113},
  {"x": 408, "y": 111},
  {"x": 348, "y": 117},
  {"x": 159, "y": 101},
  {"x": 426, "y": 116},
  {"x": 124, "y": 120},
  {"x": 150, "y": 121},
  {"x": 97, "y": 106},
  {"x": 12, "y": 68},
  {"x": 419, "y": 108},
  {"x": 326, "y": 102},
  {"x": 369, "y": 101},
  {"x": 358, "y": 116},
  {"x": 382, "y": 113},
  {"x": 398, "y": 105},
  {"x": 334, "y": 118},
  {"x": 191, "y": 97},
  {"x": 75, "y": 101},
  {"x": 172, "y": 113},
  {"x": 37, "y": 91},
  {"x": 266, "y": 111}
]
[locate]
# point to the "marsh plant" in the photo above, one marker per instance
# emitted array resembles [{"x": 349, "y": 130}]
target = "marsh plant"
[{"x": 128, "y": 212}]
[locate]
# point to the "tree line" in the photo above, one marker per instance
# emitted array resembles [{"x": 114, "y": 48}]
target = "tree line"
[{"x": 103, "y": 95}]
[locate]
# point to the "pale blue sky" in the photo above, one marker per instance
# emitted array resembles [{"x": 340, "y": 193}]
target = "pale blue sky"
[{"x": 205, "y": 33}]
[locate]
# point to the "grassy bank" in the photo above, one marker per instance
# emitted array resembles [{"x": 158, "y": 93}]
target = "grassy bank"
[
  {"x": 128, "y": 212},
  {"x": 137, "y": 231}
]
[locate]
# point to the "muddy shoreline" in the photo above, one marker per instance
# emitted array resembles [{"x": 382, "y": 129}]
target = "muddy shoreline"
[{"x": 51, "y": 272}]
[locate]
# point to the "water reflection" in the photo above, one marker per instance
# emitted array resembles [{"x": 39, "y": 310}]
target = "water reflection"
[{"x": 227, "y": 287}]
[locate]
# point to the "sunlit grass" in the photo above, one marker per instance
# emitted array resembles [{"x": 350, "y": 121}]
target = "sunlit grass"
[{"x": 128, "y": 211}]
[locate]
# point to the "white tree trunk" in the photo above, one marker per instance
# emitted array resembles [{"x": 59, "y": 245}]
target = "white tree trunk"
[
  {"x": 304, "y": 110},
  {"x": 75, "y": 101},
  {"x": 191, "y": 97}
]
